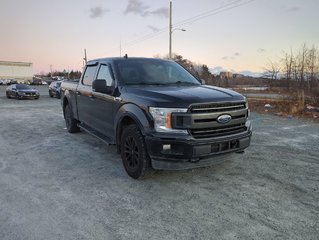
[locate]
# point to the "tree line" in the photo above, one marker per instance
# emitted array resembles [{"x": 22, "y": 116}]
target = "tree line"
[{"x": 296, "y": 69}]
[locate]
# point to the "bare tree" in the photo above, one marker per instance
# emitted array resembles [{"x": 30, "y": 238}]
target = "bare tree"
[
  {"x": 312, "y": 67},
  {"x": 271, "y": 72},
  {"x": 301, "y": 64},
  {"x": 288, "y": 62}
]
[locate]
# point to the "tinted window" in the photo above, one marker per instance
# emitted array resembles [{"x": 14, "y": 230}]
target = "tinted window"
[
  {"x": 104, "y": 73},
  {"x": 89, "y": 75},
  {"x": 22, "y": 86},
  {"x": 153, "y": 72}
]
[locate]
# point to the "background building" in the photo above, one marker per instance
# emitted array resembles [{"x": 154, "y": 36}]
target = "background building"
[{"x": 20, "y": 71}]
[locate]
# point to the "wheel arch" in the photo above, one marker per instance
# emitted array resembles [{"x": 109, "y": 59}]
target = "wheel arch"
[{"x": 131, "y": 114}]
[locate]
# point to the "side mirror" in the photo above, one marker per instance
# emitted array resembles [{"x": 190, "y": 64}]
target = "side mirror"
[{"x": 99, "y": 85}]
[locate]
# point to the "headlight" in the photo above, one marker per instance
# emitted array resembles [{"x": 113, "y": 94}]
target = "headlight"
[
  {"x": 162, "y": 119},
  {"x": 247, "y": 106}
]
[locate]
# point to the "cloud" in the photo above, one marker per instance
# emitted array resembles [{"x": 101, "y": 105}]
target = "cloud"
[
  {"x": 161, "y": 12},
  {"x": 153, "y": 28},
  {"x": 138, "y": 7},
  {"x": 294, "y": 9},
  {"x": 261, "y": 50},
  {"x": 98, "y": 12},
  {"x": 232, "y": 57}
]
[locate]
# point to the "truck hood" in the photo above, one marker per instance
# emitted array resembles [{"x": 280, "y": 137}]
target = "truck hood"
[{"x": 179, "y": 96}]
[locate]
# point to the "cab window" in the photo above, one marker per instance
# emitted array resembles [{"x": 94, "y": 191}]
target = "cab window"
[
  {"x": 89, "y": 75},
  {"x": 105, "y": 74}
]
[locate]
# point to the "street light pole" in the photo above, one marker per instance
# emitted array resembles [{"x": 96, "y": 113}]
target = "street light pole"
[{"x": 170, "y": 31}]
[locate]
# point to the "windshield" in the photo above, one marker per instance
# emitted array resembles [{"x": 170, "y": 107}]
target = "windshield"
[
  {"x": 22, "y": 87},
  {"x": 153, "y": 72}
]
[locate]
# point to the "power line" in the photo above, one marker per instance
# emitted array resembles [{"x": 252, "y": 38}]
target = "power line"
[{"x": 226, "y": 7}]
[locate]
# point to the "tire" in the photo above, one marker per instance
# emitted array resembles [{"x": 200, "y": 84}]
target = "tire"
[
  {"x": 50, "y": 94},
  {"x": 133, "y": 152},
  {"x": 70, "y": 122},
  {"x": 8, "y": 95}
]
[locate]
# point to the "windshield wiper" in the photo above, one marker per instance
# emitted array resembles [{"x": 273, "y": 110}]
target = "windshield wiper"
[
  {"x": 184, "y": 83},
  {"x": 146, "y": 83}
]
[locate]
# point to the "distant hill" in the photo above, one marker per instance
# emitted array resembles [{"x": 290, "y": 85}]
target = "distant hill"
[{"x": 217, "y": 70}]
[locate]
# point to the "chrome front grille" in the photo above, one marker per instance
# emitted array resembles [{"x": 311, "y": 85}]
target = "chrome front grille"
[
  {"x": 204, "y": 122},
  {"x": 217, "y": 107}
]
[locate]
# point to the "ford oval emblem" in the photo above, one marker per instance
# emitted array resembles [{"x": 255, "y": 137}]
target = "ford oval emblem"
[{"x": 224, "y": 118}]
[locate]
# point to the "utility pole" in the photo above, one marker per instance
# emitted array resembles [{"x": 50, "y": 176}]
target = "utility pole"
[
  {"x": 170, "y": 30},
  {"x": 85, "y": 58},
  {"x": 120, "y": 48}
]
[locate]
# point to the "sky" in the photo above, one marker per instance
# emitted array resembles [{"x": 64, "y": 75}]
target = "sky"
[{"x": 234, "y": 35}]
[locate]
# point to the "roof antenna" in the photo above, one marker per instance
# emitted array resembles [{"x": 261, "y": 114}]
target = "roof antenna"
[{"x": 125, "y": 56}]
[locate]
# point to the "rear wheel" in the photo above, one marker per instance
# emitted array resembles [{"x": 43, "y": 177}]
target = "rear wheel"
[
  {"x": 8, "y": 95},
  {"x": 50, "y": 93},
  {"x": 133, "y": 152},
  {"x": 70, "y": 122}
]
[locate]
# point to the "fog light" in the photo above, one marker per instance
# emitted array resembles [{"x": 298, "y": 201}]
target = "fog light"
[{"x": 166, "y": 146}]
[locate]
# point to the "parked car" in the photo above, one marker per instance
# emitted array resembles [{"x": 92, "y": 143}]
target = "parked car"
[
  {"x": 55, "y": 89},
  {"x": 22, "y": 91},
  {"x": 36, "y": 81}
]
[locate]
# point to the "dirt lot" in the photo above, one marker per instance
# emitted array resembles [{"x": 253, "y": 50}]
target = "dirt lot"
[{"x": 55, "y": 185}]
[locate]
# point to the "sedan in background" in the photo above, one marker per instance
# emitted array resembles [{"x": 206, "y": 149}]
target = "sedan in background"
[
  {"x": 22, "y": 91},
  {"x": 55, "y": 89}
]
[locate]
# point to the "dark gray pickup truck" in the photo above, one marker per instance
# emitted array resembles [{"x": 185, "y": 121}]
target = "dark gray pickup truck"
[{"x": 157, "y": 113}]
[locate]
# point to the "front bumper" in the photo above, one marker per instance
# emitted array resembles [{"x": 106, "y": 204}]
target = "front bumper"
[
  {"x": 21, "y": 96},
  {"x": 179, "y": 153}
]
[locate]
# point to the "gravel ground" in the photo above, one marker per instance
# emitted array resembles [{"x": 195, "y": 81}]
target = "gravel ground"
[{"x": 56, "y": 185}]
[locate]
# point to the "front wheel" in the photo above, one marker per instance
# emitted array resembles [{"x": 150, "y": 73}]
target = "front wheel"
[
  {"x": 133, "y": 152},
  {"x": 70, "y": 122}
]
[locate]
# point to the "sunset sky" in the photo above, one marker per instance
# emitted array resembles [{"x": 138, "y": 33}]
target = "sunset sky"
[{"x": 236, "y": 35}]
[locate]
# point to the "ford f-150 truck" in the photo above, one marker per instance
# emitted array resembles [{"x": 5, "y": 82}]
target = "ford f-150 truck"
[{"x": 158, "y": 114}]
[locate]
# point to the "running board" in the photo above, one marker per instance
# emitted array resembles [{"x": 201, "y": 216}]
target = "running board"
[{"x": 96, "y": 134}]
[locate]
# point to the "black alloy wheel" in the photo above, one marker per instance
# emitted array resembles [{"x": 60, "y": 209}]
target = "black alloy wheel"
[
  {"x": 133, "y": 152},
  {"x": 70, "y": 122}
]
